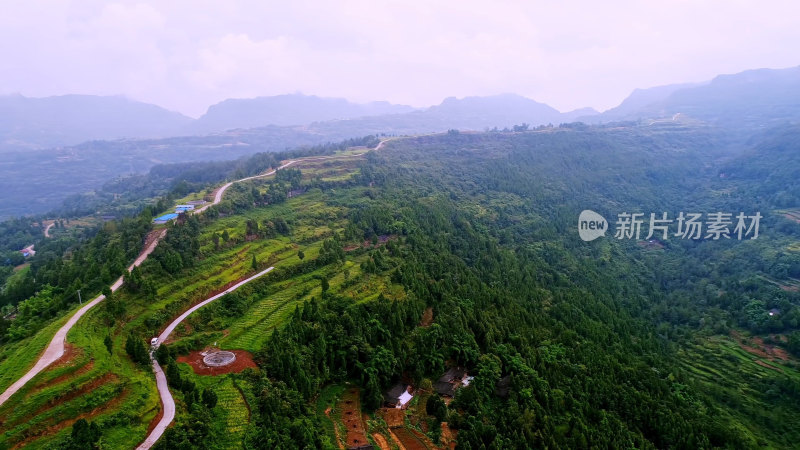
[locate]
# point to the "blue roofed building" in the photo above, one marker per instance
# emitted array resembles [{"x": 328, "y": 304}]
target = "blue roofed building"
[{"x": 165, "y": 218}]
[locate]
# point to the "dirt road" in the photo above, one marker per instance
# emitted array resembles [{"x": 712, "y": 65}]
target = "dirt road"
[{"x": 47, "y": 229}]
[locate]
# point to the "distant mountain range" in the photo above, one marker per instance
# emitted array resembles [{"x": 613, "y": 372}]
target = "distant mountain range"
[
  {"x": 754, "y": 98},
  {"x": 37, "y": 123},
  {"x": 286, "y": 110},
  {"x": 27, "y": 123}
]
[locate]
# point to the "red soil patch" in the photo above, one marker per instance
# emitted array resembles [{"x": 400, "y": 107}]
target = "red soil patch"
[
  {"x": 655, "y": 244},
  {"x": 448, "y": 436},
  {"x": 243, "y": 361},
  {"x": 754, "y": 351},
  {"x": 72, "y": 392},
  {"x": 83, "y": 389},
  {"x": 80, "y": 371},
  {"x": 379, "y": 439},
  {"x": 425, "y": 439},
  {"x": 152, "y": 236},
  {"x": 396, "y": 440},
  {"x": 350, "y": 406},
  {"x": 762, "y": 349},
  {"x": 33, "y": 435},
  {"x": 763, "y": 364},
  {"x": 779, "y": 337},
  {"x": 70, "y": 353},
  {"x": 409, "y": 440},
  {"x": 393, "y": 417},
  {"x": 427, "y": 318},
  {"x": 774, "y": 352}
]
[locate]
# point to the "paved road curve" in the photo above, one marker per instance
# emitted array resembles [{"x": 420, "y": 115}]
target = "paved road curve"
[
  {"x": 55, "y": 349},
  {"x": 167, "y": 401},
  {"x": 161, "y": 380},
  {"x": 221, "y": 191}
]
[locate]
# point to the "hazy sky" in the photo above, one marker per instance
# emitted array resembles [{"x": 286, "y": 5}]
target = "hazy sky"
[{"x": 187, "y": 55}]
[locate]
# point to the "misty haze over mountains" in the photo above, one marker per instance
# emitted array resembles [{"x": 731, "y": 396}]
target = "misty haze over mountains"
[
  {"x": 53, "y": 147},
  {"x": 34, "y": 123}
]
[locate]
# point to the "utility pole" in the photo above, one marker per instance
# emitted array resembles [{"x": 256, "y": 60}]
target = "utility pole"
[{"x": 80, "y": 302}]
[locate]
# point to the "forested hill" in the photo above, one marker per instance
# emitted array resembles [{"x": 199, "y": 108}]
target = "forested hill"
[
  {"x": 460, "y": 250},
  {"x": 609, "y": 341},
  {"x": 753, "y": 99}
]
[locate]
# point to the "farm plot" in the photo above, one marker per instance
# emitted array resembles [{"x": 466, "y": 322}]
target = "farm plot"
[
  {"x": 409, "y": 440},
  {"x": 233, "y": 408},
  {"x": 350, "y": 407},
  {"x": 254, "y": 328},
  {"x": 326, "y": 412}
]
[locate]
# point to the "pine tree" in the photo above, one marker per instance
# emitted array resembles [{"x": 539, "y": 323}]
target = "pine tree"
[{"x": 209, "y": 398}]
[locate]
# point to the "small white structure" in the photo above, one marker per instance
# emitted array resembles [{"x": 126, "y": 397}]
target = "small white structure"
[
  {"x": 219, "y": 359},
  {"x": 398, "y": 396},
  {"x": 183, "y": 208},
  {"x": 404, "y": 398}
]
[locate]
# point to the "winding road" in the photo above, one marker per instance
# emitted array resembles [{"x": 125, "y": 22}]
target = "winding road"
[
  {"x": 56, "y": 347},
  {"x": 161, "y": 380},
  {"x": 219, "y": 192},
  {"x": 167, "y": 401},
  {"x": 47, "y": 229}
]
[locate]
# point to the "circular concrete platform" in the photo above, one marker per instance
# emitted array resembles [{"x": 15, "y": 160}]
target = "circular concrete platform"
[{"x": 219, "y": 359}]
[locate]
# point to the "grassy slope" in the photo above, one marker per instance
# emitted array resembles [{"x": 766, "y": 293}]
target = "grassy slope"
[
  {"x": 731, "y": 377},
  {"x": 110, "y": 389}
]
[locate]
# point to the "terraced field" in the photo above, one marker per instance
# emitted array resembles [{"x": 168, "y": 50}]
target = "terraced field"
[
  {"x": 235, "y": 411},
  {"x": 328, "y": 415},
  {"x": 750, "y": 384},
  {"x": 88, "y": 383},
  {"x": 253, "y": 330},
  {"x": 107, "y": 388}
]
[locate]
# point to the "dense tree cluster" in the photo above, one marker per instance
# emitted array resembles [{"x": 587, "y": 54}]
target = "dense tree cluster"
[
  {"x": 51, "y": 284},
  {"x": 578, "y": 335}
]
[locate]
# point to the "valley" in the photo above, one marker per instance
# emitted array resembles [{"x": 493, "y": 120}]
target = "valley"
[{"x": 372, "y": 242}]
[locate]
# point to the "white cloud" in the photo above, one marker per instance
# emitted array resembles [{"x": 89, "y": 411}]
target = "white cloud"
[{"x": 186, "y": 54}]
